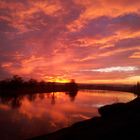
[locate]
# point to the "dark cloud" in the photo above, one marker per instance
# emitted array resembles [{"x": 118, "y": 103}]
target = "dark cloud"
[
  {"x": 5, "y": 27},
  {"x": 106, "y": 26},
  {"x": 129, "y": 21},
  {"x": 128, "y": 42},
  {"x": 4, "y": 73}
]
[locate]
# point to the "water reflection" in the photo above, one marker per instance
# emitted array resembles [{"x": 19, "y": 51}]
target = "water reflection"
[
  {"x": 16, "y": 101},
  {"x": 36, "y": 114},
  {"x": 13, "y": 102},
  {"x": 72, "y": 95}
]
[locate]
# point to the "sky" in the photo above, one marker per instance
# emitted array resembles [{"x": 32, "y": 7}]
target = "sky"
[{"x": 91, "y": 41}]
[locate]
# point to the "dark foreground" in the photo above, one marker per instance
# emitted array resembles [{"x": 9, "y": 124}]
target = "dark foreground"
[{"x": 117, "y": 121}]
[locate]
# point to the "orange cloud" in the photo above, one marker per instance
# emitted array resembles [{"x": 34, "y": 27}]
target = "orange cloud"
[
  {"x": 109, "y": 53},
  {"x": 21, "y": 18},
  {"x": 135, "y": 55},
  {"x": 48, "y": 7},
  {"x": 95, "y": 8}
]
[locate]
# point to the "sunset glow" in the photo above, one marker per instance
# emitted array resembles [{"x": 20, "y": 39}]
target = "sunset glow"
[
  {"x": 91, "y": 41},
  {"x": 57, "y": 79}
]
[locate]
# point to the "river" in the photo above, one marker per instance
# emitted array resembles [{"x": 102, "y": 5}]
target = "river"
[{"x": 28, "y": 116}]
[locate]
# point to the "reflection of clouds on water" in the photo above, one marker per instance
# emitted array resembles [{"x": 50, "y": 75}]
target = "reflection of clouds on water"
[{"x": 35, "y": 114}]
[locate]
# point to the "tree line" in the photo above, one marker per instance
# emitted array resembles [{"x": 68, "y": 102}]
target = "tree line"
[{"x": 17, "y": 84}]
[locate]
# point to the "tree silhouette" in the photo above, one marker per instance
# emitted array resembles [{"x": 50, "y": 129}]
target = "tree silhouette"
[{"x": 136, "y": 89}]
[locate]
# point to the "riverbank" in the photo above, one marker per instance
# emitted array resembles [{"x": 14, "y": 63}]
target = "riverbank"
[{"x": 117, "y": 121}]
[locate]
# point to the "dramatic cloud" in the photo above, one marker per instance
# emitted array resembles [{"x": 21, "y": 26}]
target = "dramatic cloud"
[
  {"x": 135, "y": 55},
  {"x": 113, "y": 69},
  {"x": 57, "y": 40},
  {"x": 97, "y": 8}
]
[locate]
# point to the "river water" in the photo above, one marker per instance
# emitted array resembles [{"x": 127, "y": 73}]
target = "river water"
[{"x": 28, "y": 116}]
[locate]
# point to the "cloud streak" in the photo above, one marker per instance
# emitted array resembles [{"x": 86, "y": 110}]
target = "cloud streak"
[{"x": 115, "y": 69}]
